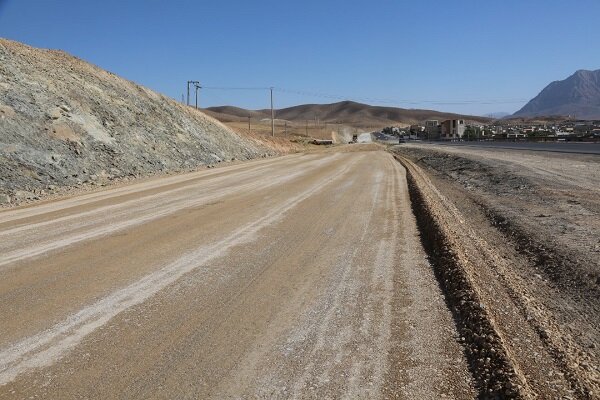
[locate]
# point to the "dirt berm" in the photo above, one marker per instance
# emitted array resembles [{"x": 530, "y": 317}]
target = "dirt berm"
[
  {"x": 510, "y": 320},
  {"x": 67, "y": 123}
]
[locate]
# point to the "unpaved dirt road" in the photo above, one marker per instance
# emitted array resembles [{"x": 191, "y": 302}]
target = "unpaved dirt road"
[{"x": 295, "y": 277}]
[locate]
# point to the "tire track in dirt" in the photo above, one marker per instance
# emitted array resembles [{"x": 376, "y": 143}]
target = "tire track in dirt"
[{"x": 45, "y": 348}]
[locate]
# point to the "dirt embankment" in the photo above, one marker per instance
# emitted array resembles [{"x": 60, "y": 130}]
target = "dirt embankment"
[
  {"x": 514, "y": 237},
  {"x": 66, "y": 123}
]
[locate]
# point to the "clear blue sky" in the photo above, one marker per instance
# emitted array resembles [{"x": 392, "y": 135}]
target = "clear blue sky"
[{"x": 415, "y": 54}]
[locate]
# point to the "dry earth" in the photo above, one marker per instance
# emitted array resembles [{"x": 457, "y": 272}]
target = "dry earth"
[
  {"x": 524, "y": 229},
  {"x": 295, "y": 277},
  {"x": 65, "y": 123}
]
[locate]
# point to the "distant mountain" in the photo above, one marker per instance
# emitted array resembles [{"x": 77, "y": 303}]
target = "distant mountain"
[
  {"x": 346, "y": 112},
  {"x": 577, "y": 96}
]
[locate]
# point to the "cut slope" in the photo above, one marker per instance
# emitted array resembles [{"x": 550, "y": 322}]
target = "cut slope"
[{"x": 65, "y": 122}]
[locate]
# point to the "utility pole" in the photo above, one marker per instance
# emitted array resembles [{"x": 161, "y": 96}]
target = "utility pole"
[
  {"x": 197, "y": 85},
  {"x": 272, "y": 114},
  {"x": 249, "y": 124},
  {"x": 188, "y": 90},
  {"x": 285, "y": 132}
]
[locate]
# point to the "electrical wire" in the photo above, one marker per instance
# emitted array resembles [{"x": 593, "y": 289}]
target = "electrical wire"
[
  {"x": 313, "y": 94},
  {"x": 234, "y": 88}
]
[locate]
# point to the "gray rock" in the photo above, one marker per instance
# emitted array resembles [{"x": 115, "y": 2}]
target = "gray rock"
[
  {"x": 21, "y": 195},
  {"x": 4, "y": 199},
  {"x": 55, "y": 114}
]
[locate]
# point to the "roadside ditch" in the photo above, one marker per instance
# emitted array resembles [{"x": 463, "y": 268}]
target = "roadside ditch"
[
  {"x": 497, "y": 304},
  {"x": 489, "y": 363}
]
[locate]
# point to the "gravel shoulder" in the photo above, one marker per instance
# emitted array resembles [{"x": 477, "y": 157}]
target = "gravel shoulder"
[{"x": 527, "y": 230}]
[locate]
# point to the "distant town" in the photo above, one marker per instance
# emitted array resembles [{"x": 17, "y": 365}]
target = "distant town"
[{"x": 464, "y": 130}]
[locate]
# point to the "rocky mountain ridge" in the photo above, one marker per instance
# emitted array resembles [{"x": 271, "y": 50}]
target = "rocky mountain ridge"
[{"x": 577, "y": 96}]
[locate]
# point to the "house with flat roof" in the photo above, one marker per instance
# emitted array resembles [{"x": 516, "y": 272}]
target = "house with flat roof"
[
  {"x": 432, "y": 129},
  {"x": 452, "y": 129}
]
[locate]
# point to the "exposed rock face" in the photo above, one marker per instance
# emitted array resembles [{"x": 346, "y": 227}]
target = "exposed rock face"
[
  {"x": 64, "y": 122},
  {"x": 577, "y": 96}
]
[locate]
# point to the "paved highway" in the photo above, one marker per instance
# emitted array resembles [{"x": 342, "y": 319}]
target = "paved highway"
[
  {"x": 560, "y": 147},
  {"x": 295, "y": 277},
  {"x": 557, "y": 147}
]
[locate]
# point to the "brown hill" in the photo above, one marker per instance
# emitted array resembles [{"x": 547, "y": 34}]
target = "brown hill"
[
  {"x": 235, "y": 114},
  {"x": 345, "y": 112}
]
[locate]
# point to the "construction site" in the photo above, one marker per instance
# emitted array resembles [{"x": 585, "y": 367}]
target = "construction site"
[{"x": 152, "y": 248}]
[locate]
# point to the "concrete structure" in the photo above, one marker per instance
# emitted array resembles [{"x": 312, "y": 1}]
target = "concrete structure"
[
  {"x": 516, "y": 135},
  {"x": 453, "y": 129},
  {"x": 432, "y": 129},
  {"x": 417, "y": 130}
]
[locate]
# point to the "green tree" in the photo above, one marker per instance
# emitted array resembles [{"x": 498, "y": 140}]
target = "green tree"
[{"x": 471, "y": 133}]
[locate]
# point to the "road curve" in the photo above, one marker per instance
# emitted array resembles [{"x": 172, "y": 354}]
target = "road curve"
[{"x": 295, "y": 277}]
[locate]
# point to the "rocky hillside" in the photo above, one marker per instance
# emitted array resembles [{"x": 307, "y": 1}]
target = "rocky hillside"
[
  {"x": 577, "y": 96},
  {"x": 67, "y": 123}
]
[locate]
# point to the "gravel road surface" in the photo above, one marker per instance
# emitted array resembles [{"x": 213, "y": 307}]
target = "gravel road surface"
[
  {"x": 295, "y": 277},
  {"x": 365, "y": 137}
]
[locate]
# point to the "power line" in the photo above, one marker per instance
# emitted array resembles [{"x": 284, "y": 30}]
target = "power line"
[
  {"x": 234, "y": 88},
  {"x": 398, "y": 101},
  {"x": 371, "y": 99}
]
